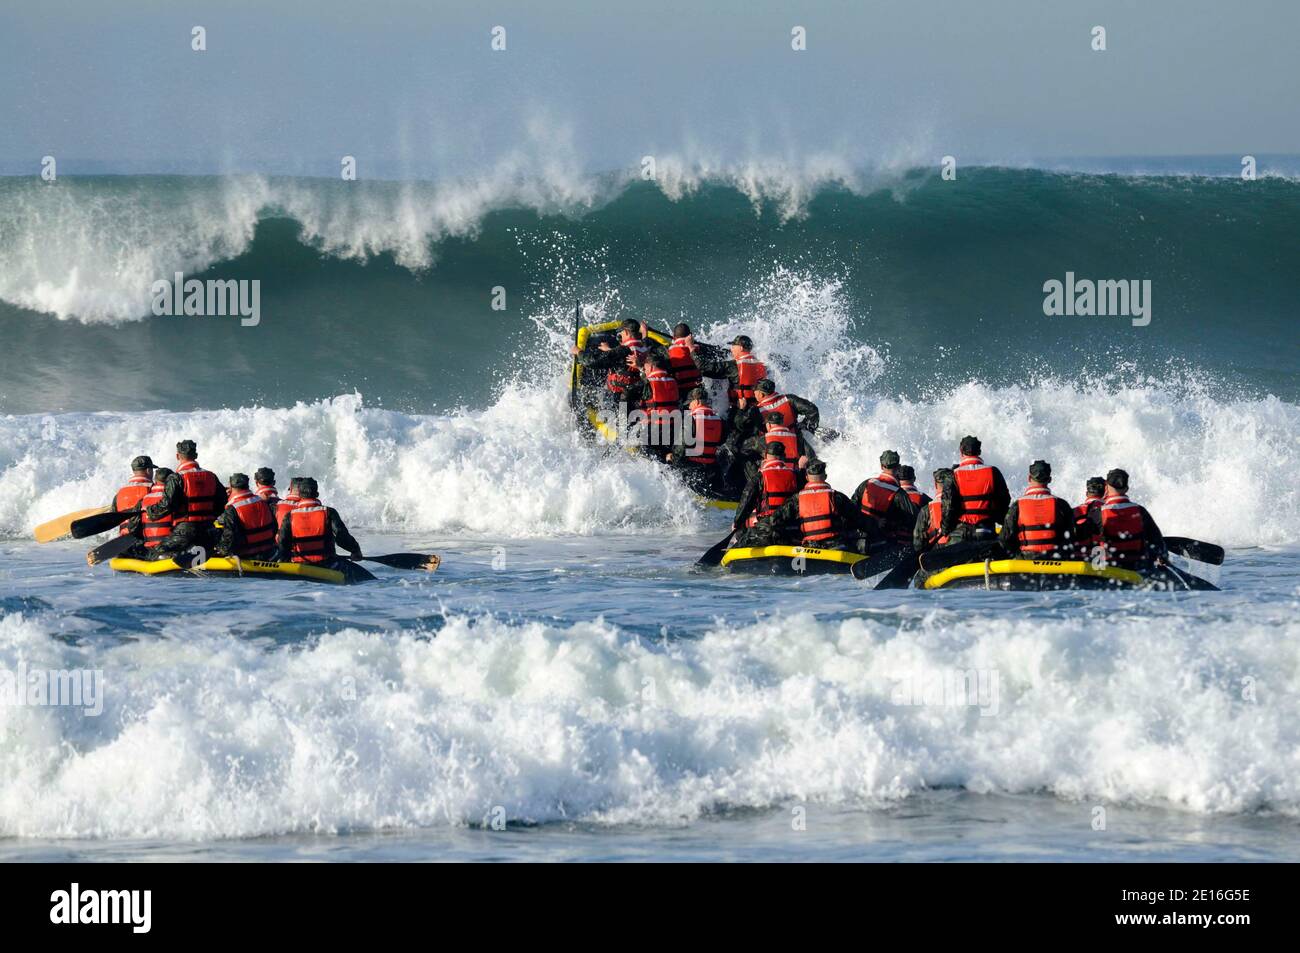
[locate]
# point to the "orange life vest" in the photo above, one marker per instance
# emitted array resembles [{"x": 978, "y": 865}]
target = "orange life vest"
[
  {"x": 1123, "y": 529},
  {"x": 685, "y": 370},
  {"x": 283, "y": 507},
  {"x": 154, "y": 532},
  {"x": 664, "y": 395},
  {"x": 786, "y": 438},
  {"x": 936, "y": 520},
  {"x": 269, "y": 494},
  {"x": 1083, "y": 531},
  {"x": 876, "y": 501},
  {"x": 780, "y": 482},
  {"x": 257, "y": 520},
  {"x": 1037, "y": 529},
  {"x": 974, "y": 491},
  {"x": 918, "y": 498},
  {"x": 201, "y": 503},
  {"x": 708, "y": 435},
  {"x": 780, "y": 404},
  {"x": 313, "y": 540},
  {"x": 818, "y": 520},
  {"x": 135, "y": 490},
  {"x": 749, "y": 371}
]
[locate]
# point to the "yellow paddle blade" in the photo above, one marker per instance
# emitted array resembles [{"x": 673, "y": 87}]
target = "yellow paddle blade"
[{"x": 62, "y": 526}]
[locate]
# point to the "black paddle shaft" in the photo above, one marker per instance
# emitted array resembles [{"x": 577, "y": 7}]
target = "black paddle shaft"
[{"x": 99, "y": 523}]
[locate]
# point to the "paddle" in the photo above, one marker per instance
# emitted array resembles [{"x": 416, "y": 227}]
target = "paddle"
[
  {"x": 106, "y": 551},
  {"x": 62, "y": 526},
  {"x": 573, "y": 382},
  {"x": 956, "y": 554},
  {"x": 94, "y": 525},
  {"x": 429, "y": 563},
  {"x": 1193, "y": 583},
  {"x": 1195, "y": 549},
  {"x": 900, "y": 577},
  {"x": 713, "y": 557}
]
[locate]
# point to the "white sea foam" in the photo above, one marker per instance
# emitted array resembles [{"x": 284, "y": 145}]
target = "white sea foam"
[{"x": 207, "y": 736}]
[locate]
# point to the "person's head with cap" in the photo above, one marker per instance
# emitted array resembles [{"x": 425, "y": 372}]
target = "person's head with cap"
[
  {"x": 1095, "y": 487},
  {"x": 943, "y": 477},
  {"x": 187, "y": 450},
  {"x": 264, "y": 476},
  {"x": 1117, "y": 480},
  {"x": 307, "y": 488},
  {"x": 774, "y": 419},
  {"x": 889, "y": 462},
  {"x": 698, "y": 396},
  {"x": 775, "y": 449},
  {"x": 765, "y": 386},
  {"x": 906, "y": 474},
  {"x": 816, "y": 471},
  {"x": 1040, "y": 472},
  {"x": 741, "y": 344},
  {"x": 142, "y": 465},
  {"x": 238, "y": 481},
  {"x": 970, "y": 446},
  {"x": 681, "y": 330}
]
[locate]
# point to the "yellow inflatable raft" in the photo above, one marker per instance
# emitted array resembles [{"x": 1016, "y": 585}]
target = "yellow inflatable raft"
[{"x": 598, "y": 425}]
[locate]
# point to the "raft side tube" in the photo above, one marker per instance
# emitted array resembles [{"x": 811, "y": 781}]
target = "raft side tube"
[
  {"x": 222, "y": 566},
  {"x": 1032, "y": 574},
  {"x": 782, "y": 560}
]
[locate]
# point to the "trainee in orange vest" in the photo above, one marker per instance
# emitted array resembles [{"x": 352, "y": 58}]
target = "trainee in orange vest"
[
  {"x": 1037, "y": 530},
  {"x": 685, "y": 370},
  {"x": 779, "y": 484},
  {"x": 135, "y": 490},
  {"x": 818, "y": 520},
  {"x": 749, "y": 371},
  {"x": 313, "y": 540},
  {"x": 257, "y": 521}
]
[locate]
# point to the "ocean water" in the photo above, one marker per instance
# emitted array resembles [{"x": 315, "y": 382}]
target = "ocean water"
[{"x": 567, "y": 676}]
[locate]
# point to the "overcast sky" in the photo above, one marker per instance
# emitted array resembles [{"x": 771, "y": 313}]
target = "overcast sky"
[{"x": 286, "y": 86}]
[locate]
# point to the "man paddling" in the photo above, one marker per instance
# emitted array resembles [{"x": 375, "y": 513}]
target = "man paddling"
[
  {"x": 926, "y": 534},
  {"x": 192, "y": 497},
  {"x": 1039, "y": 525},
  {"x": 1131, "y": 538},
  {"x": 264, "y": 486},
  {"x": 821, "y": 516},
  {"x": 980, "y": 499},
  {"x": 247, "y": 525},
  {"x": 313, "y": 532},
  {"x": 127, "y": 499}
]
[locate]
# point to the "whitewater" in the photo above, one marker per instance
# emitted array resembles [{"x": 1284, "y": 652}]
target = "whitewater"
[{"x": 567, "y": 684}]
